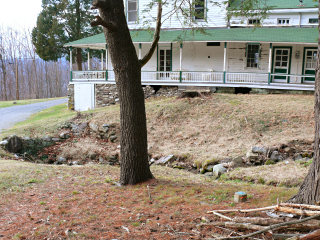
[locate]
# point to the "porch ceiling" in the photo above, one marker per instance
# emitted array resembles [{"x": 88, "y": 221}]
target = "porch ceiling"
[{"x": 263, "y": 35}]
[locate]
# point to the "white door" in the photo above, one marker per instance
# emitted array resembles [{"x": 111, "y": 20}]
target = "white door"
[
  {"x": 165, "y": 63},
  {"x": 84, "y": 97}
]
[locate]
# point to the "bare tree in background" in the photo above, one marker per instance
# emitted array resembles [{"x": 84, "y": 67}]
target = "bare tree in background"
[{"x": 35, "y": 77}]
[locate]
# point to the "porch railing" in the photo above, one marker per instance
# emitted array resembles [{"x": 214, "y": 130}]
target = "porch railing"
[{"x": 198, "y": 77}]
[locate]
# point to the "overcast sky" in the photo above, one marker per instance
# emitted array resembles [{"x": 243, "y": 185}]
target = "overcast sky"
[{"x": 19, "y": 14}]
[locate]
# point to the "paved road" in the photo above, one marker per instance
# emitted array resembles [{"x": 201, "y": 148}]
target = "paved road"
[{"x": 11, "y": 115}]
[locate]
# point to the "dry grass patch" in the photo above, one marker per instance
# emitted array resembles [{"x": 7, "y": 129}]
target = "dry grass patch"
[
  {"x": 281, "y": 174},
  {"x": 222, "y": 125}
]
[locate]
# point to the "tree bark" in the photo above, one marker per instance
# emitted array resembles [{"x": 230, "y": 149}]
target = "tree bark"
[
  {"x": 134, "y": 151},
  {"x": 78, "y": 26},
  {"x": 309, "y": 191}
]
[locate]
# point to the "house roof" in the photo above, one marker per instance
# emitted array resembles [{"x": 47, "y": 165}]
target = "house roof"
[
  {"x": 278, "y": 4},
  {"x": 267, "y": 35}
]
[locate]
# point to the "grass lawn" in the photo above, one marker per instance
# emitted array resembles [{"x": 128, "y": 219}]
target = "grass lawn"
[{"x": 4, "y": 104}]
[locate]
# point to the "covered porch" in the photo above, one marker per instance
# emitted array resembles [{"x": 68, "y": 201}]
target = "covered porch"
[{"x": 271, "y": 58}]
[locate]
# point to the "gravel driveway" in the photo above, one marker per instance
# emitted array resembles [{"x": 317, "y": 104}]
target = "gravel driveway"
[{"x": 11, "y": 115}]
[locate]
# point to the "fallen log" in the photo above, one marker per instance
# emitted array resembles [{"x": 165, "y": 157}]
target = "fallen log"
[
  {"x": 295, "y": 205},
  {"x": 311, "y": 236},
  {"x": 272, "y": 227},
  {"x": 299, "y": 212},
  {"x": 243, "y": 210}
]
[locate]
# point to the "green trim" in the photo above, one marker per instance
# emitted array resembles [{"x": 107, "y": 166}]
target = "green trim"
[
  {"x": 303, "y": 61},
  {"x": 269, "y": 72},
  {"x": 224, "y": 77},
  {"x": 289, "y": 67},
  {"x": 71, "y": 76},
  {"x": 181, "y": 45},
  {"x": 261, "y": 35},
  {"x": 140, "y": 45},
  {"x": 106, "y": 75},
  {"x": 224, "y": 52},
  {"x": 180, "y": 76}
]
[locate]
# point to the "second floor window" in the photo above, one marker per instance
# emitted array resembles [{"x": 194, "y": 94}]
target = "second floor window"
[
  {"x": 132, "y": 10},
  {"x": 253, "y": 55},
  {"x": 313, "y": 20},
  {"x": 254, "y": 21},
  {"x": 283, "y": 21},
  {"x": 199, "y": 9}
]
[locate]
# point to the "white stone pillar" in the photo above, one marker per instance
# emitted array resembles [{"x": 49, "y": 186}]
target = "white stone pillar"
[
  {"x": 70, "y": 58},
  {"x": 224, "y": 62},
  {"x": 101, "y": 60},
  {"x": 88, "y": 59}
]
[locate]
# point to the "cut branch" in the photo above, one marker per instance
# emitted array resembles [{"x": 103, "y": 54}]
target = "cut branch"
[
  {"x": 156, "y": 37},
  {"x": 300, "y": 212},
  {"x": 100, "y": 22},
  {"x": 272, "y": 227}
]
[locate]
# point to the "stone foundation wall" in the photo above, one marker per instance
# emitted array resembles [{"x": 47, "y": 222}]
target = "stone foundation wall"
[
  {"x": 107, "y": 94},
  {"x": 71, "y": 97}
]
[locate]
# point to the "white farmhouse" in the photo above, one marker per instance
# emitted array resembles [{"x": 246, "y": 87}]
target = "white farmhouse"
[{"x": 279, "y": 54}]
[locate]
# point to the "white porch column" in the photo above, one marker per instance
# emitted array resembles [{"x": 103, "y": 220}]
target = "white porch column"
[
  {"x": 101, "y": 60},
  {"x": 270, "y": 64},
  {"x": 107, "y": 58},
  {"x": 88, "y": 59},
  {"x": 140, "y": 50},
  {"x": 70, "y": 64},
  {"x": 181, "y": 47},
  {"x": 224, "y": 62}
]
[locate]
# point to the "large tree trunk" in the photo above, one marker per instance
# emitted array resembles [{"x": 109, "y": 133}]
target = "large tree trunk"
[
  {"x": 134, "y": 150},
  {"x": 309, "y": 192},
  {"x": 78, "y": 33}
]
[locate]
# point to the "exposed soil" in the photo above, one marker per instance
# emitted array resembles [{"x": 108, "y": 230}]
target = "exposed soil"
[{"x": 85, "y": 203}]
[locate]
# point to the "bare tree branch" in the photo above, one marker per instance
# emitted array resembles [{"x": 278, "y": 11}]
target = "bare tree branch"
[{"x": 156, "y": 37}]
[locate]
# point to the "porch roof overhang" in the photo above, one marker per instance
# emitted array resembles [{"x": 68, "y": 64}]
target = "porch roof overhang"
[{"x": 293, "y": 35}]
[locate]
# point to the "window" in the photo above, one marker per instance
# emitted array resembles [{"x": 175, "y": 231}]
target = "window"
[
  {"x": 199, "y": 11},
  {"x": 253, "y": 55},
  {"x": 313, "y": 20},
  {"x": 213, "y": 44},
  {"x": 132, "y": 10},
  {"x": 253, "y": 21},
  {"x": 283, "y": 21},
  {"x": 311, "y": 59}
]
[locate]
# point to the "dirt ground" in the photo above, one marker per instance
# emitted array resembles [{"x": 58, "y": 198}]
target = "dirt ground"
[{"x": 84, "y": 202}]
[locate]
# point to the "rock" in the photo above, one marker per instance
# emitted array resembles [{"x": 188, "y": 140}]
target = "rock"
[
  {"x": 113, "y": 138},
  {"x": 92, "y": 155},
  {"x": 276, "y": 156},
  {"x": 14, "y": 145},
  {"x": 47, "y": 138},
  {"x": 94, "y": 127},
  {"x": 75, "y": 163},
  {"x": 202, "y": 171},
  {"x": 218, "y": 170},
  {"x": 105, "y": 128},
  {"x": 64, "y": 135},
  {"x": 259, "y": 150},
  {"x": 55, "y": 139},
  {"x": 209, "y": 174},
  {"x": 209, "y": 168},
  {"x": 252, "y": 158},
  {"x": 164, "y": 160},
  {"x": 61, "y": 160},
  {"x": 4, "y": 142},
  {"x": 79, "y": 128},
  {"x": 101, "y": 160},
  {"x": 297, "y": 157},
  {"x": 237, "y": 162}
]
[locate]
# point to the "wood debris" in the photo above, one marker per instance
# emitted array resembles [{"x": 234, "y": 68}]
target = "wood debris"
[{"x": 304, "y": 225}]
